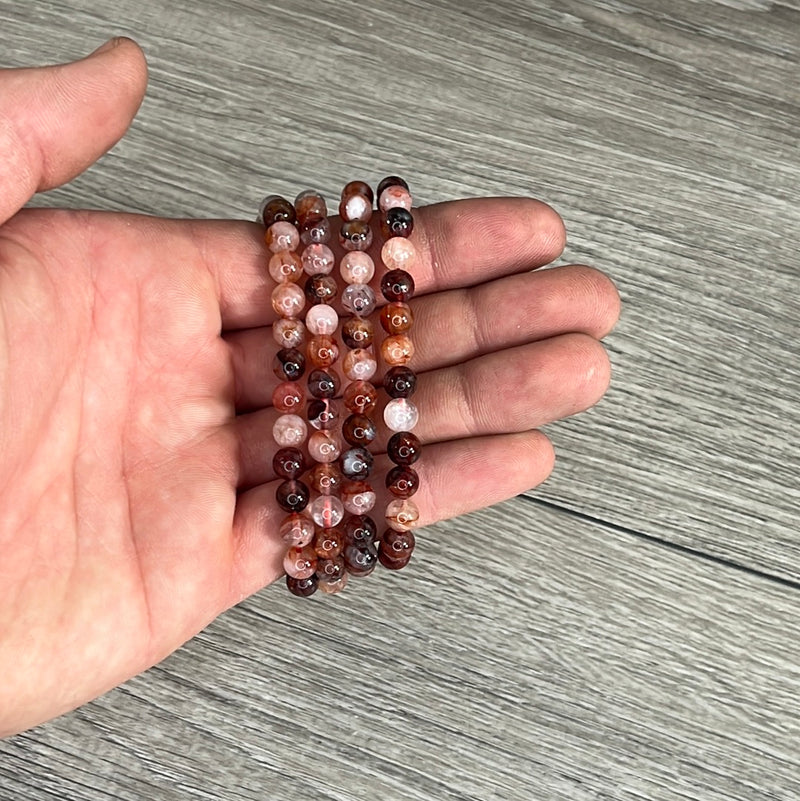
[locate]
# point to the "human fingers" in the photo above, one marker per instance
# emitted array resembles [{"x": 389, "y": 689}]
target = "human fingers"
[{"x": 55, "y": 121}]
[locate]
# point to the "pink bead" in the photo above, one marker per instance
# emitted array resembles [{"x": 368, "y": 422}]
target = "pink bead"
[
  {"x": 359, "y": 365},
  {"x": 402, "y": 515},
  {"x": 394, "y": 196},
  {"x": 327, "y": 511},
  {"x": 318, "y": 259},
  {"x": 288, "y": 300},
  {"x": 289, "y": 430},
  {"x": 300, "y": 563},
  {"x": 282, "y": 236},
  {"x": 324, "y": 446},
  {"x": 358, "y": 497},
  {"x": 288, "y": 332},
  {"x": 297, "y": 529},
  {"x": 322, "y": 319},
  {"x": 399, "y": 253},
  {"x": 285, "y": 266},
  {"x": 288, "y": 397},
  {"x": 400, "y": 414},
  {"x": 357, "y": 267}
]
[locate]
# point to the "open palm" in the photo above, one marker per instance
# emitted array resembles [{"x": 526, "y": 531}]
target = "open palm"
[{"x": 136, "y": 461}]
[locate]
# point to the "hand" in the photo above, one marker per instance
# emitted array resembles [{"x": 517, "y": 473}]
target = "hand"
[{"x": 137, "y": 486}]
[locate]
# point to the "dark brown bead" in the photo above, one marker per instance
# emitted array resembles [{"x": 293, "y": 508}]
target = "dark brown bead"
[
  {"x": 395, "y": 548},
  {"x": 397, "y": 286},
  {"x": 315, "y": 231},
  {"x": 404, "y": 448},
  {"x": 277, "y": 209},
  {"x": 358, "y": 188},
  {"x": 288, "y": 462},
  {"x": 302, "y": 587},
  {"x": 400, "y": 382},
  {"x": 326, "y": 478},
  {"x": 292, "y": 495},
  {"x": 323, "y": 414},
  {"x": 396, "y": 318},
  {"x": 323, "y": 383},
  {"x": 402, "y": 481},
  {"x": 393, "y": 564},
  {"x": 359, "y": 530},
  {"x": 289, "y": 364},
  {"x": 390, "y": 180},
  {"x": 310, "y": 204},
  {"x": 360, "y": 397},
  {"x": 355, "y": 235},
  {"x": 330, "y": 569},
  {"x": 321, "y": 289},
  {"x": 358, "y": 332},
  {"x": 397, "y": 222},
  {"x": 360, "y": 561},
  {"x": 358, "y": 429},
  {"x": 356, "y": 463},
  {"x": 328, "y": 542}
]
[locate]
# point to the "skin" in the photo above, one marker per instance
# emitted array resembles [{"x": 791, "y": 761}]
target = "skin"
[{"x": 136, "y": 382}]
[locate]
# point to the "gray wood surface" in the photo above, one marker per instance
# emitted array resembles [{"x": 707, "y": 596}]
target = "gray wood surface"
[{"x": 630, "y": 629}]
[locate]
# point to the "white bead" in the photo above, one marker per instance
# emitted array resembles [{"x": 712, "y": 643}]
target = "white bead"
[
  {"x": 322, "y": 319},
  {"x": 359, "y": 503},
  {"x": 289, "y": 430},
  {"x": 400, "y": 414}
]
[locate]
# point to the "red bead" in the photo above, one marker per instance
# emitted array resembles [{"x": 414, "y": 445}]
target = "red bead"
[
  {"x": 360, "y": 397},
  {"x": 288, "y": 463},
  {"x": 395, "y": 548},
  {"x": 326, "y": 478},
  {"x": 402, "y": 481},
  {"x": 328, "y": 542},
  {"x": 404, "y": 448},
  {"x": 358, "y": 429},
  {"x": 302, "y": 587}
]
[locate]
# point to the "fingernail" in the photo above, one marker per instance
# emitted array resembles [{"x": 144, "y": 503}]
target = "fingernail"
[{"x": 109, "y": 45}]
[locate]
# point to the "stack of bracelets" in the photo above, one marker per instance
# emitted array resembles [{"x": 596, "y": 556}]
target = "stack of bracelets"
[{"x": 331, "y": 535}]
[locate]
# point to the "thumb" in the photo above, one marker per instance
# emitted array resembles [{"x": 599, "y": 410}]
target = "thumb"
[{"x": 56, "y": 121}]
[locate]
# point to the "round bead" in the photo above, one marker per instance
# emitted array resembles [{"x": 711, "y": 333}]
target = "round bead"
[
  {"x": 289, "y": 364},
  {"x": 400, "y": 414},
  {"x": 275, "y": 208},
  {"x": 288, "y": 462},
  {"x": 320, "y": 289},
  {"x": 392, "y": 564},
  {"x": 360, "y": 561},
  {"x": 358, "y": 497},
  {"x": 328, "y": 543},
  {"x": 402, "y": 515},
  {"x": 289, "y": 431},
  {"x": 332, "y": 586},
  {"x": 397, "y": 349},
  {"x": 330, "y": 569},
  {"x": 396, "y": 546},
  {"x": 308, "y": 204},
  {"x": 360, "y": 397},
  {"x": 288, "y": 300},
  {"x": 302, "y": 587},
  {"x": 316, "y": 231},
  {"x": 359, "y": 365},
  {"x": 358, "y": 332},
  {"x": 359, "y": 299},
  {"x": 396, "y": 318},
  {"x": 355, "y": 206},
  {"x": 292, "y": 495},
  {"x": 359, "y": 530},
  {"x": 288, "y": 332},
  {"x": 359, "y": 188},
  {"x": 288, "y": 397},
  {"x": 397, "y": 285},
  {"x": 355, "y": 235},
  {"x": 282, "y": 235},
  {"x": 300, "y": 563},
  {"x": 356, "y": 463},
  {"x": 297, "y": 530},
  {"x": 323, "y": 384},
  {"x": 285, "y": 266},
  {"x": 322, "y": 319},
  {"x": 400, "y": 382},
  {"x": 327, "y": 511},
  {"x": 402, "y": 482},
  {"x": 399, "y": 254},
  {"x": 323, "y": 414},
  {"x": 404, "y": 448},
  {"x": 326, "y": 479},
  {"x": 318, "y": 259},
  {"x": 394, "y": 197},
  {"x": 324, "y": 446},
  {"x": 397, "y": 222},
  {"x": 322, "y": 350},
  {"x": 391, "y": 180},
  {"x": 357, "y": 267},
  {"x": 358, "y": 429}
]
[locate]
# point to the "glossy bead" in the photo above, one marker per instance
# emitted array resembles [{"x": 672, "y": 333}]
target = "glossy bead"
[
  {"x": 327, "y": 511},
  {"x": 400, "y": 382},
  {"x": 397, "y": 286},
  {"x": 301, "y": 562},
  {"x": 396, "y": 318},
  {"x": 359, "y": 188},
  {"x": 297, "y": 530},
  {"x": 402, "y": 515},
  {"x": 360, "y": 561},
  {"x": 397, "y": 222},
  {"x": 289, "y": 364},
  {"x": 326, "y": 479},
  {"x": 402, "y": 481},
  {"x": 359, "y": 299},
  {"x": 359, "y": 530},
  {"x": 308, "y": 204},
  {"x": 357, "y": 267},
  {"x": 288, "y": 397},
  {"x": 355, "y": 206},
  {"x": 330, "y": 569},
  {"x": 324, "y": 446},
  {"x": 391, "y": 563},
  {"x": 281, "y": 235},
  {"x": 332, "y": 586},
  {"x": 317, "y": 260},
  {"x": 320, "y": 289},
  {"x": 302, "y": 587},
  {"x": 322, "y": 320},
  {"x": 399, "y": 254},
  {"x": 323, "y": 384},
  {"x": 323, "y": 415},
  {"x": 358, "y": 429},
  {"x": 356, "y": 463},
  {"x": 394, "y": 197},
  {"x": 275, "y": 208},
  {"x": 322, "y": 350},
  {"x": 289, "y": 431},
  {"x": 328, "y": 542},
  {"x": 360, "y": 397},
  {"x": 404, "y": 448},
  {"x": 358, "y": 497},
  {"x": 358, "y": 332},
  {"x": 285, "y": 265},
  {"x": 400, "y": 414},
  {"x": 359, "y": 365},
  {"x": 396, "y": 546},
  {"x": 288, "y": 332},
  {"x": 355, "y": 235},
  {"x": 292, "y": 495},
  {"x": 288, "y": 462},
  {"x": 316, "y": 231},
  {"x": 397, "y": 349},
  {"x": 288, "y": 300}
]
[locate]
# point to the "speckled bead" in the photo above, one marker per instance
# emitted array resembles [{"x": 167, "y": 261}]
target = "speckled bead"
[
  {"x": 323, "y": 384},
  {"x": 292, "y": 495},
  {"x": 393, "y": 197},
  {"x": 326, "y": 479},
  {"x": 400, "y": 414},
  {"x": 396, "y": 222},
  {"x": 324, "y": 446},
  {"x": 402, "y": 515},
  {"x": 404, "y": 448},
  {"x": 359, "y": 430},
  {"x": 301, "y": 562},
  {"x": 328, "y": 542},
  {"x": 395, "y": 548},
  {"x": 359, "y": 530},
  {"x": 355, "y": 235},
  {"x": 358, "y": 332},
  {"x": 397, "y": 349},
  {"x": 360, "y": 562},
  {"x": 399, "y": 254},
  {"x": 358, "y": 497},
  {"x": 359, "y": 365},
  {"x": 396, "y": 318},
  {"x": 322, "y": 350},
  {"x": 281, "y": 235},
  {"x": 274, "y": 209},
  {"x": 317, "y": 260},
  {"x": 308, "y": 204},
  {"x": 288, "y": 397},
  {"x": 360, "y": 397},
  {"x": 316, "y": 231},
  {"x": 323, "y": 415},
  {"x": 289, "y": 431},
  {"x": 402, "y": 481},
  {"x": 400, "y": 382},
  {"x": 327, "y": 511},
  {"x": 320, "y": 289},
  {"x": 322, "y": 320},
  {"x": 288, "y": 300},
  {"x": 356, "y": 463},
  {"x": 288, "y": 462},
  {"x": 304, "y": 587},
  {"x": 285, "y": 266},
  {"x": 297, "y": 530},
  {"x": 330, "y": 569},
  {"x": 357, "y": 267},
  {"x": 333, "y": 586},
  {"x": 288, "y": 332},
  {"x": 289, "y": 364},
  {"x": 359, "y": 299},
  {"x": 397, "y": 286}
]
